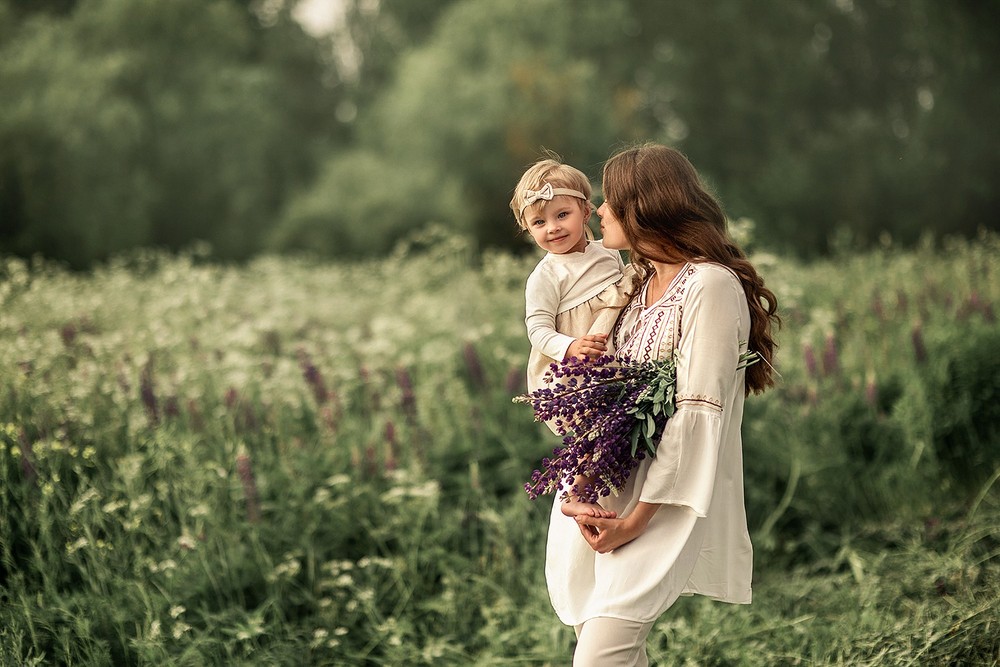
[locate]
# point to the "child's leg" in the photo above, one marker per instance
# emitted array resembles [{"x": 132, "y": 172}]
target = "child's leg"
[{"x": 573, "y": 506}]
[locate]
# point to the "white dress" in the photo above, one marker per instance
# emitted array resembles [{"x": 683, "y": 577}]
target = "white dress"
[{"x": 697, "y": 542}]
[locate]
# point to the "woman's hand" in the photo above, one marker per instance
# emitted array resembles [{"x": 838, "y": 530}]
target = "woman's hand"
[
  {"x": 606, "y": 535},
  {"x": 590, "y": 346}
]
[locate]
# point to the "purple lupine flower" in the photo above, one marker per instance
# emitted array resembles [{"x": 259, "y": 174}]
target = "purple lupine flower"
[
  {"x": 313, "y": 377},
  {"x": 172, "y": 407},
  {"x": 330, "y": 416},
  {"x": 408, "y": 400},
  {"x": 391, "y": 446},
  {"x": 602, "y": 408},
  {"x": 831, "y": 358},
  {"x": 515, "y": 381},
  {"x": 917, "y": 338},
  {"x": 246, "y": 420},
  {"x": 975, "y": 304},
  {"x": 194, "y": 415},
  {"x": 809, "y": 356},
  {"x": 374, "y": 397},
  {"x": 474, "y": 366},
  {"x": 244, "y": 468},
  {"x": 902, "y": 302},
  {"x": 878, "y": 308},
  {"x": 68, "y": 333},
  {"x": 27, "y": 456},
  {"x": 147, "y": 392},
  {"x": 611, "y": 413},
  {"x": 370, "y": 461}
]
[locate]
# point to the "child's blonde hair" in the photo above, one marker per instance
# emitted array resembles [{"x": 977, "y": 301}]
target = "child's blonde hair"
[{"x": 553, "y": 172}]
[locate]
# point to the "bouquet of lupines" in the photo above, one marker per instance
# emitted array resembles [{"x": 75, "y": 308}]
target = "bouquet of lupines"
[{"x": 611, "y": 412}]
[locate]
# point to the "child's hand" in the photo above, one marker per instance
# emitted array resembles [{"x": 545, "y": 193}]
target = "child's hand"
[{"x": 590, "y": 346}]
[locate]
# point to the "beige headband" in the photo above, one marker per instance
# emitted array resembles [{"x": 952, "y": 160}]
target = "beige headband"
[{"x": 547, "y": 193}]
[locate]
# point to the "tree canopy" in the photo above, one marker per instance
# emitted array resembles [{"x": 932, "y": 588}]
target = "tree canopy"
[{"x": 126, "y": 124}]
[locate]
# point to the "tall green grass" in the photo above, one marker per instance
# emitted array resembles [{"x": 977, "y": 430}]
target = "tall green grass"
[{"x": 293, "y": 462}]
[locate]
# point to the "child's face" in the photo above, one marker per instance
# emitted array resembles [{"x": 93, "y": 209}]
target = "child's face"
[{"x": 560, "y": 227}]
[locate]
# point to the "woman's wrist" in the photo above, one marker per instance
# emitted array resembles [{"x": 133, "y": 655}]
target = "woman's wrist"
[{"x": 638, "y": 519}]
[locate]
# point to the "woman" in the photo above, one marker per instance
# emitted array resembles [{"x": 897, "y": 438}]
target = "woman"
[{"x": 681, "y": 525}]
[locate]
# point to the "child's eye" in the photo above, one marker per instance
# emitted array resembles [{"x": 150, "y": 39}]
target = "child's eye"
[
  {"x": 538, "y": 223},
  {"x": 563, "y": 214}
]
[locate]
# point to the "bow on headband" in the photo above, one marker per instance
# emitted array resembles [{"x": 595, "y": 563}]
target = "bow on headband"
[{"x": 547, "y": 193}]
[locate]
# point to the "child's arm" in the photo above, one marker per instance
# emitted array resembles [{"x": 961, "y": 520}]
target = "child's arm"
[
  {"x": 541, "y": 300},
  {"x": 544, "y": 337},
  {"x": 591, "y": 345}
]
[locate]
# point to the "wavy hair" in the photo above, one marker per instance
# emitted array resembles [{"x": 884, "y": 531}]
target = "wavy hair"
[{"x": 668, "y": 215}]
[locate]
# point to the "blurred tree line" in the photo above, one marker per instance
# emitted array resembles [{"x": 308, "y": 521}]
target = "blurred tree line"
[{"x": 128, "y": 124}]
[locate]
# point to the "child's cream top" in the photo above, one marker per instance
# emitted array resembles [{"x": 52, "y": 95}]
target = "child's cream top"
[{"x": 562, "y": 282}]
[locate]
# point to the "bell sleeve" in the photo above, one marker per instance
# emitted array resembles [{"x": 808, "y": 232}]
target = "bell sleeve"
[{"x": 683, "y": 470}]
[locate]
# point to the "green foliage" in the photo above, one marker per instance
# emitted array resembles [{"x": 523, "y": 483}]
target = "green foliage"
[
  {"x": 292, "y": 462},
  {"x": 361, "y": 202},
  {"x": 966, "y": 399},
  {"x": 834, "y": 116},
  {"x": 835, "y": 123},
  {"x": 468, "y": 111},
  {"x": 124, "y": 125}
]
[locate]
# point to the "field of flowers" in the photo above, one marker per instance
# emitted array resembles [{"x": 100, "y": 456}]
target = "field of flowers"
[{"x": 293, "y": 462}]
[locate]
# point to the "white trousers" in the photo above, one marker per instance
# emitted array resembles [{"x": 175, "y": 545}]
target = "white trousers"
[{"x": 611, "y": 642}]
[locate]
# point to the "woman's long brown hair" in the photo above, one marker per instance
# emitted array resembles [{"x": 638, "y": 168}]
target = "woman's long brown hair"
[{"x": 668, "y": 215}]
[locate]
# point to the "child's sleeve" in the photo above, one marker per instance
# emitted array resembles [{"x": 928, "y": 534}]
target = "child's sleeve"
[{"x": 541, "y": 301}]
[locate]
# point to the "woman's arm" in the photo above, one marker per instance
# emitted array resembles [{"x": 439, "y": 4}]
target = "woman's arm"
[{"x": 604, "y": 535}]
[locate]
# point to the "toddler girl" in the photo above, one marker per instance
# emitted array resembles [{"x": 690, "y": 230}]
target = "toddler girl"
[{"x": 573, "y": 295}]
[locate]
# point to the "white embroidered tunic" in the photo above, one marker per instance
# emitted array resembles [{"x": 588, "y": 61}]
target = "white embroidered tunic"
[{"x": 697, "y": 542}]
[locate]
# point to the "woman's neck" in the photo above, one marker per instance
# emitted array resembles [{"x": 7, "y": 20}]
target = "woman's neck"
[{"x": 663, "y": 275}]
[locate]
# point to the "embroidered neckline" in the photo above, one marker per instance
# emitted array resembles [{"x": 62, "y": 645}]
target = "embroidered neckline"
[{"x": 674, "y": 283}]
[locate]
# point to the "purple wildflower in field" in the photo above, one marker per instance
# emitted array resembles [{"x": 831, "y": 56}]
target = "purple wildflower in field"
[
  {"x": 474, "y": 366},
  {"x": 831, "y": 356},
  {"x": 313, "y": 377},
  {"x": 878, "y": 308},
  {"x": 408, "y": 400},
  {"x": 514, "y": 384},
  {"x": 604, "y": 409},
  {"x": 147, "y": 392},
  {"x": 244, "y": 468},
  {"x": 809, "y": 358},
  {"x": 392, "y": 446},
  {"x": 27, "y": 457},
  {"x": 917, "y": 338},
  {"x": 171, "y": 407},
  {"x": 68, "y": 334}
]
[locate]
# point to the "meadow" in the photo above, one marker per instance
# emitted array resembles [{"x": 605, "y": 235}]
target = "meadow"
[{"x": 292, "y": 462}]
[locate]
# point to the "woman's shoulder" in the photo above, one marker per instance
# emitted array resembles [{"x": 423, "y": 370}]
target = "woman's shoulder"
[{"x": 712, "y": 277}]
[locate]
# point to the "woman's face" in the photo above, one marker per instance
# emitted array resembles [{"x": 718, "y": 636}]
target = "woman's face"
[{"x": 611, "y": 229}]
